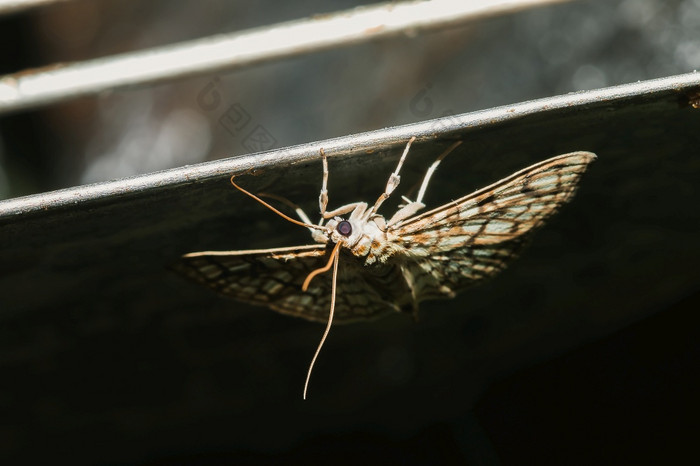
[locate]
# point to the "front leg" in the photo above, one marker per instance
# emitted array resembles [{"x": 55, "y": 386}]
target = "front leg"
[
  {"x": 357, "y": 208},
  {"x": 323, "y": 196}
]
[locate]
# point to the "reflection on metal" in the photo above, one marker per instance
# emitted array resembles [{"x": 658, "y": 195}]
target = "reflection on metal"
[{"x": 31, "y": 88}]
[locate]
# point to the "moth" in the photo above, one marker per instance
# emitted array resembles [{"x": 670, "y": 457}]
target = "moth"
[{"x": 382, "y": 266}]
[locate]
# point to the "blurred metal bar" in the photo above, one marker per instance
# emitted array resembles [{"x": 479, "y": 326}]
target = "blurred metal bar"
[
  {"x": 31, "y": 88},
  {"x": 14, "y": 6}
]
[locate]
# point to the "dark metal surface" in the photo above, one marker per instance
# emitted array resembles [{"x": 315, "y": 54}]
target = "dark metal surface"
[{"x": 99, "y": 341}]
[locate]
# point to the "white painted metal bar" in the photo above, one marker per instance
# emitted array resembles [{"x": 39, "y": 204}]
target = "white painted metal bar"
[{"x": 31, "y": 88}]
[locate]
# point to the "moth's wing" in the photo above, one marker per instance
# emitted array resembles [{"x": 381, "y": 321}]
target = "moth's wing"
[
  {"x": 476, "y": 236},
  {"x": 274, "y": 277},
  {"x": 443, "y": 275},
  {"x": 500, "y": 212}
]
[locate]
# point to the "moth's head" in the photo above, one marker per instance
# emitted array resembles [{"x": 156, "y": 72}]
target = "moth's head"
[{"x": 343, "y": 231}]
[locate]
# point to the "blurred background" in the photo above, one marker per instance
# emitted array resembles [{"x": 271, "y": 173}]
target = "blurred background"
[
  {"x": 545, "y": 51},
  {"x": 626, "y": 395}
]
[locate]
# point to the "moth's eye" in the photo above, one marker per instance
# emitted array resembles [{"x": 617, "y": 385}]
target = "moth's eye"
[{"x": 344, "y": 228}]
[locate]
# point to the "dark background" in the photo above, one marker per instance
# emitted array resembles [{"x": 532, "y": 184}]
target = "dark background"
[{"x": 584, "y": 351}]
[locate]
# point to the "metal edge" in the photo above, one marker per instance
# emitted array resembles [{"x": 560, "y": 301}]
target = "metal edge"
[{"x": 346, "y": 145}]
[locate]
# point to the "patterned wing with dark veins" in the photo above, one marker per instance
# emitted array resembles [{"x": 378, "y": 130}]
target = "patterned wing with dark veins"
[
  {"x": 476, "y": 236},
  {"x": 274, "y": 277},
  {"x": 443, "y": 275}
]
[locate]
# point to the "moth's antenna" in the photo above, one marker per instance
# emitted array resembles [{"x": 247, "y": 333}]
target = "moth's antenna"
[
  {"x": 300, "y": 212},
  {"x": 286, "y": 217},
  {"x": 333, "y": 260}
]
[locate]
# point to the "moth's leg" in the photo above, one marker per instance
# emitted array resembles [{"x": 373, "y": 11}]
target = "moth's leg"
[
  {"x": 302, "y": 215},
  {"x": 394, "y": 180},
  {"x": 412, "y": 207},
  {"x": 346, "y": 209},
  {"x": 406, "y": 211},
  {"x": 323, "y": 197},
  {"x": 431, "y": 170}
]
